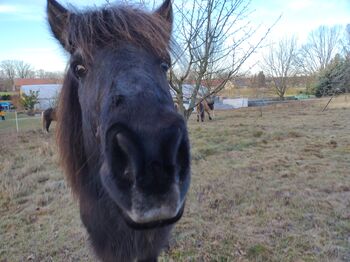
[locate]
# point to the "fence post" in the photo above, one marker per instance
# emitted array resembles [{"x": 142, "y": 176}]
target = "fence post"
[{"x": 16, "y": 121}]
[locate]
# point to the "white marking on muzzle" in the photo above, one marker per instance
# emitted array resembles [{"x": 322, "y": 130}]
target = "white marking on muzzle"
[{"x": 165, "y": 211}]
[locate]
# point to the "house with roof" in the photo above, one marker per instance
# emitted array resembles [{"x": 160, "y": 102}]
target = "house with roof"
[
  {"x": 47, "y": 94},
  {"x": 18, "y": 82},
  {"x": 48, "y": 90}
]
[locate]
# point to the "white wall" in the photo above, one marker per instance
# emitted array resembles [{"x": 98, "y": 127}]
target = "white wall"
[
  {"x": 236, "y": 103},
  {"x": 47, "y": 94}
]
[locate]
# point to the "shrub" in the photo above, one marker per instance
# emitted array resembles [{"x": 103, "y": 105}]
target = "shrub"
[
  {"x": 29, "y": 101},
  {"x": 6, "y": 97}
]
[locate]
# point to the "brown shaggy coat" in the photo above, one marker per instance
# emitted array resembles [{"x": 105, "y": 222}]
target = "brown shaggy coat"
[{"x": 48, "y": 116}]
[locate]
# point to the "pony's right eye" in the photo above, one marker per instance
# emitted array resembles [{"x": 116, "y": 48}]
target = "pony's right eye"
[{"x": 79, "y": 70}]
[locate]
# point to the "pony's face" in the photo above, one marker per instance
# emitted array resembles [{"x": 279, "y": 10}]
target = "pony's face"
[
  {"x": 144, "y": 144},
  {"x": 128, "y": 120}
]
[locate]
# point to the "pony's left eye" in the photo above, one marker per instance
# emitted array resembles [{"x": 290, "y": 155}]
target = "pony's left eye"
[
  {"x": 79, "y": 70},
  {"x": 165, "y": 66}
]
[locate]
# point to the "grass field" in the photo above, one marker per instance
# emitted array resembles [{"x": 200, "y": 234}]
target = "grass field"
[
  {"x": 25, "y": 123},
  {"x": 8, "y": 93},
  {"x": 274, "y": 187}
]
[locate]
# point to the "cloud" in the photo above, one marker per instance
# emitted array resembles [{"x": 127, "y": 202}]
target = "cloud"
[
  {"x": 9, "y": 9},
  {"x": 21, "y": 12},
  {"x": 299, "y": 4},
  {"x": 50, "y": 58}
]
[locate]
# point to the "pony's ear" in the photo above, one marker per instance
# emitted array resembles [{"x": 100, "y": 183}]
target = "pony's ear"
[
  {"x": 57, "y": 16},
  {"x": 166, "y": 11}
]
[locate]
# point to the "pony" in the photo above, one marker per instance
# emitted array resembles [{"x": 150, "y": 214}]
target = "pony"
[
  {"x": 123, "y": 147},
  {"x": 206, "y": 105},
  {"x": 48, "y": 116}
]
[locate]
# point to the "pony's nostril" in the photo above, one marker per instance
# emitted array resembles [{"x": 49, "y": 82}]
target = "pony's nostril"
[
  {"x": 118, "y": 99},
  {"x": 183, "y": 159},
  {"x": 169, "y": 169},
  {"x": 128, "y": 173},
  {"x": 123, "y": 156},
  {"x": 170, "y": 143}
]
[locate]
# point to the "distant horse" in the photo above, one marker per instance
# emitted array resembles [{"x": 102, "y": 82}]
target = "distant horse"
[
  {"x": 123, "y": 147},
  {"x": 205, "y": 105},
  {"x": 48, "y": 116}
]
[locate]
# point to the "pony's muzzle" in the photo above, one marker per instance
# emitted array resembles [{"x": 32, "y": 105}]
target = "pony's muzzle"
[{"x": 152, "y": 167}]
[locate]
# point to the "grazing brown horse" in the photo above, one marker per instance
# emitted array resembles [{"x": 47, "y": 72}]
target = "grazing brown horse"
[
  {"x": 205, "y": 105},
  {"x": 48, "y": 116},
  {"x": 123, "y": 147}
]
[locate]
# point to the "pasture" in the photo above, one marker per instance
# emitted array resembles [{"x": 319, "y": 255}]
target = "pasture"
[
  {"x": 253, "y": 92},
  {"x": 25, "y": 123},
  {"x": 274, "y": 187}
]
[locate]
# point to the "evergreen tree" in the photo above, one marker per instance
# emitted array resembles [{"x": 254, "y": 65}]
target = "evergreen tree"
[
  {"x": 261, "y": 79},
  {"x": 333, "y": 78}
]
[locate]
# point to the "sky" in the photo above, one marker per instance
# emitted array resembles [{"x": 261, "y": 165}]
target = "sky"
[{"x": 25, "y": 35}]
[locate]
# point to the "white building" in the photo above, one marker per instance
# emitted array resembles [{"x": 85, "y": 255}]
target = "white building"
[
  {"x": 236, "y": 102},
  {"x": 48, "y": 94},
  {"x": 187, "y": 91}
]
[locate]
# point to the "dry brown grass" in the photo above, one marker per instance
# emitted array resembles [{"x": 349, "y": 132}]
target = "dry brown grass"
[
  {"x": 270, "y": 188},
  {"x": 253, "y": 92},
  {"x": 340, "y": 102}
]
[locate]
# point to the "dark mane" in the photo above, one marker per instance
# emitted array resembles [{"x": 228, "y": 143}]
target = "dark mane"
[
  {"x": 113, "y": 24},
  {"x": 69, "y": 133}
]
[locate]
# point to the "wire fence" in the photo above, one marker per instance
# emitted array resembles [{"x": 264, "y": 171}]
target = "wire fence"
[{"x": 19, "y": 122}]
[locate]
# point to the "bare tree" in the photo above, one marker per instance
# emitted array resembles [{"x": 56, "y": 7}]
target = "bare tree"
[
  {"x": 280, "y": 64},
  {"x": 23, "y": 70},
  {"x": 319, "y": 50},
  {"x": 215, "y": 37},
  {"x": 58, "y": 75},
  {"x": 9, "y": 71},
  {"x": 12, "y": 69},
  {"x": 344, "y": 79},
  {"x": 345, "y": 42}
]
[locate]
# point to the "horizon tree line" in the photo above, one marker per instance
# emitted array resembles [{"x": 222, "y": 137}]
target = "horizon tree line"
[
  {"x": 13, "y": 69},
  {"x": 324, "y": 58},
  {"x": 214, "y": 39}
]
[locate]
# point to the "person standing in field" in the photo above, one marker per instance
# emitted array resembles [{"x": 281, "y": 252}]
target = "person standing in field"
[{"x": 2, "y": 113}]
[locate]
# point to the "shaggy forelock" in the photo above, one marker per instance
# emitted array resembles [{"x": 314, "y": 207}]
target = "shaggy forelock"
[
  {"x": 88, "y": 31},
  {"x": 113, "y": 25}
]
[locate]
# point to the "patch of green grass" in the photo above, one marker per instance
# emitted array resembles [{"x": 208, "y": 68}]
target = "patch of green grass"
[
  {"x": 24, "y": 121},
  {"x": 8, "y": 93},
  {"x": 258, "y": 133},
  {"x": 258, "y": 252}
]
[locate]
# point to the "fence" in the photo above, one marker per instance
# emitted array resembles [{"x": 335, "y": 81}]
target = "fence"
[{"x": 19, "y": 122}]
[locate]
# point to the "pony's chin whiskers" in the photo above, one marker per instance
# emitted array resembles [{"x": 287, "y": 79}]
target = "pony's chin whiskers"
[{"x": 84, "y": 164}]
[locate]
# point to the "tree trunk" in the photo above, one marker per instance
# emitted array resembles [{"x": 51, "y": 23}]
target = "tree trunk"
[{"x": 187, "y": 114}]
